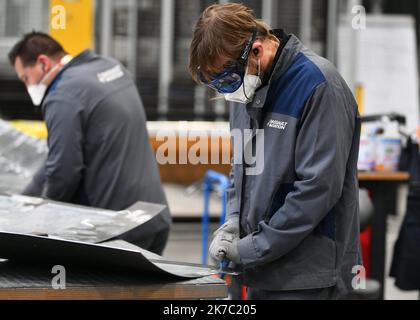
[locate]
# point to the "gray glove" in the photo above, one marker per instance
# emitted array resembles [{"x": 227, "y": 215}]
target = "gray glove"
[
  {"x": 225, "y": 247},
  {"x": 231, "y": 226}
]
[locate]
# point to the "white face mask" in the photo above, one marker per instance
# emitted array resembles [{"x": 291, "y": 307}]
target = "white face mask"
[
  {"x": 37, "y": 91},
  {"x": 246, "y": 91}
]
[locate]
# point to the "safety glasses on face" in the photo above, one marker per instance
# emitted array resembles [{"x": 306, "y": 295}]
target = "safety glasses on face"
[{"x": 231, "y": 79}]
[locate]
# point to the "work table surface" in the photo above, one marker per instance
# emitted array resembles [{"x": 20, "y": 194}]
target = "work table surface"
[{"x": 27, "y": 282}]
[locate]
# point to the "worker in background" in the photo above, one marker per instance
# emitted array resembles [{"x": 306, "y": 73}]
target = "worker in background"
[
  {"x": 293, "y": 227},
  {"x": 99, "y": 152}
]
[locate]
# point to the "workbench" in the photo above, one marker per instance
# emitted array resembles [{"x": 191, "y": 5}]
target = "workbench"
[
  {"x": 383, "y": 187},
  {"x": 19, "y": 282},
  {"x": 28, "y": 282}
]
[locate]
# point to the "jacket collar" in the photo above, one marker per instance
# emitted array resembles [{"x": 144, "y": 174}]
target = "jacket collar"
[
  {"x": 287, "y": 56},
  {"x": 80, "y": 58},
  {"x": 288, "y": 52}
]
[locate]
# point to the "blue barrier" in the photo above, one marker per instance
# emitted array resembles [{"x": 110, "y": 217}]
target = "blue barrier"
[{"x": 212, "y": 179}]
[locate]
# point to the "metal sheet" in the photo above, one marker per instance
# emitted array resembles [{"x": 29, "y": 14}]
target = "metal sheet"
[
  {"x": 20, "y": 156},
  {"x": 109, "y": 256},
  {"x": 27, "y": 215}
]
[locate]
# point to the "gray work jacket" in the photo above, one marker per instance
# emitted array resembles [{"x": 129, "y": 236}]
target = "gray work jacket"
[
  {"x": 99, "y": 151},
  {"x": 299, "y": 211}
]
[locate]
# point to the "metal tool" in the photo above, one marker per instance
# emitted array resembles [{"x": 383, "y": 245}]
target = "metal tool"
[{"x": 226, "y": 266}]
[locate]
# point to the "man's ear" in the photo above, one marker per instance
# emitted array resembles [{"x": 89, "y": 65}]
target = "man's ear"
[
  {"x": 45, "y": 61},
  {"x": 257, "y": 49}
]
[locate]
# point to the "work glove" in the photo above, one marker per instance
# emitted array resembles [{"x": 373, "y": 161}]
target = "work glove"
[
  {"x": 231, "y": 226},
  {"x": 225, "y": 247}
]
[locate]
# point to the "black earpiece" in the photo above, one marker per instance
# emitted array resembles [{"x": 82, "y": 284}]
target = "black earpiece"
[{"x": 256, "y": 51}]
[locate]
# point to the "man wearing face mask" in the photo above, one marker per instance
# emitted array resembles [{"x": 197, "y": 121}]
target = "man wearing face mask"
[
  {"x": 99, "y": 152},
  {"x": 293, "y": 228}
]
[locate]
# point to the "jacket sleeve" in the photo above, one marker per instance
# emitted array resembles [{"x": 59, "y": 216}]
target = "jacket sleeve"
[
  {"x": 322, "y": 148},
  {"x": 36, "y": 187},
  {"x": 231, "y": 197},
  {"x": 64, "y": 165}
]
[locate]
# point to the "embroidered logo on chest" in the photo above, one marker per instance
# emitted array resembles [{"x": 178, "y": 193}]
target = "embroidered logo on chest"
[{"x": 276, "y": 124}]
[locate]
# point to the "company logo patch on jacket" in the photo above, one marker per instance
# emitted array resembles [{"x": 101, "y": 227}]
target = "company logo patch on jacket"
[
  {"x": 111, "y": 74},
  {"x": 276, "y": 124}
]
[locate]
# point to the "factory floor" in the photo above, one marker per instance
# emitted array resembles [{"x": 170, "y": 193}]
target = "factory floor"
[{"x": 185, "y": 245}]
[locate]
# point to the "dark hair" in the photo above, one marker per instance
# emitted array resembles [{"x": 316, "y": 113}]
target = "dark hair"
[{"x": 32, "y": 45}]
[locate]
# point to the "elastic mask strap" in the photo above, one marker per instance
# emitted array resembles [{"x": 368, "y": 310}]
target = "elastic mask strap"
[{"x": 259, "y": 73}]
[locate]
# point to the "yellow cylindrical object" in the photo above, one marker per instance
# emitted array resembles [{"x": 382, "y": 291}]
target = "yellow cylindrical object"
[{"x": 71, "y": 24}]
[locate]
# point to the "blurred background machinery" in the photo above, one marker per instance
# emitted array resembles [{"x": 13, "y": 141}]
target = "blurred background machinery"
[{"x": 152, "y": 37}]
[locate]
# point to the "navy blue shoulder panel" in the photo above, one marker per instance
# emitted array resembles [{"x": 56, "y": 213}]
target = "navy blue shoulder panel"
[
  {"x": 54, "y": 84},
  {"x": 289, "y": 94}
]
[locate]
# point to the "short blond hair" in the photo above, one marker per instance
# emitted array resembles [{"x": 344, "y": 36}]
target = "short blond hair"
[{"x": 220, "y": 34}]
